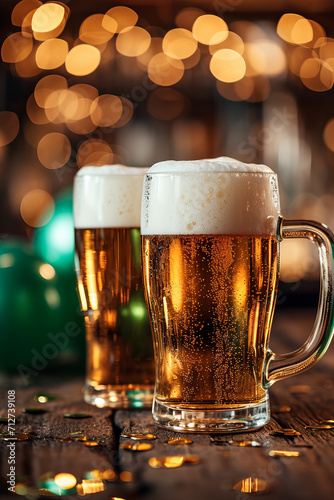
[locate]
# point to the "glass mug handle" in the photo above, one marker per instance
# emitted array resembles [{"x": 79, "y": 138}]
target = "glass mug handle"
[{"x": 279, "y": 366}]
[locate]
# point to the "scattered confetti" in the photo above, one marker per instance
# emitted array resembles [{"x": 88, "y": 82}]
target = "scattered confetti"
[
  {"x": 171, "y": 462},
  {"x": 44, "y": 397},
  {"x": 245, "y": 443},
  {"x": 283, "y": 453},
  {"x": 286, "y": 432},
  {"x": 91, "y": 444},
  {"x": 319, "y": 427},
  {"x": 138, "y": 436},
  {"x": 251, "y": 485},
  {"x": 179, "y": 441},
  {"x": 67, "y": 440},
  {"x": 136, "y": 446},
  {"x": 34, "y": 411},
  {"x": 77, "y": 415},
  {"x": 16, "y": 437}
]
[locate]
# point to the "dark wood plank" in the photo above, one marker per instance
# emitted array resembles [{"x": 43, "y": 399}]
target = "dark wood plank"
[{"x": 221, "y": 467}]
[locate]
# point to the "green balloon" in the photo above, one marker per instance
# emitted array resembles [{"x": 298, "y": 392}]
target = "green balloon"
[
  {"x": 54, "y": 241},
  {"x": 41, "y": 324}
]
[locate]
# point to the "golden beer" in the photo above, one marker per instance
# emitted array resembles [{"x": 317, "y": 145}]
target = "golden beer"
[
  {"x": 211, "y": 307},
  {"x": 120, "y": 362},
  {"x": 211, "y": 231},
  {"x": 119, "y": 345}
]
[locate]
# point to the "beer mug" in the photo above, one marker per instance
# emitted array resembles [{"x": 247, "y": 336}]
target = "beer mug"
[
  {"x": 211, "y": 232},
  {"x": 120, "y": 363}
]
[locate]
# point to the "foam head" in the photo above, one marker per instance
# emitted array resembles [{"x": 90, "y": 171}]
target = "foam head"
[
  {"x": 213, "y": 196},
  {"x": 108, "y": 196}
]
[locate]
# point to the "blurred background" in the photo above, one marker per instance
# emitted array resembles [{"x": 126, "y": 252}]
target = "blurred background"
[{"x": 85, "y": 83}]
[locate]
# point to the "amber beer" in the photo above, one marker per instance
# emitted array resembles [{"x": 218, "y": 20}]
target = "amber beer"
[
  {"x": 211, "y": 307},
  {"x": 120, "y": 364}
]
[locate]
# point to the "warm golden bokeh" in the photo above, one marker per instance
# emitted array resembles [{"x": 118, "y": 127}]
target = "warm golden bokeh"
[
  {"x": 186, "y": 17},
  {"x": 94, "y": 152},
  {"x": 9, "y": 127},
  {"x": 35, "y": 113},
  {"x": 154, "y": 48},
  {"x": 294, "y": 28},
  {"x": 93, "y": 32},
  {"x": 46, "y": 86},
  {"x": 164, "y": 70},
  {"x": 210, "y": 29},
  {"x": 65, "y": 481},
  {"x": 328, "y": 134},
  {"x": 232, "y": 41},
  {"x": 127, "y": 112},
  {"x": 133, "y": 41},
  {"x": 227, "y": 65},
  {"x": 118, "y": 18},
  {"x": 317, "y": 75},
  {"x": 264, "y": 57},
  {"x": 34, "y": 204},
  {"x": 82, "y": 60},
  {"x": 16, "y": 47},
  {"x": 52, "y": 53},
  {"x": 48, "y": 21},
  {"x": 22, "y": 9},
  {"x": 54, "y": 150},
  {"x": 106, "y": 110},
  {"x": 179, "y": 43}
]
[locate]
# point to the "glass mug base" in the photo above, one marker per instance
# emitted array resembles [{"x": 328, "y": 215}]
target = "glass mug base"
[
  {"x": 118, "y": 396},
  {"x": 239, "y": 419}
]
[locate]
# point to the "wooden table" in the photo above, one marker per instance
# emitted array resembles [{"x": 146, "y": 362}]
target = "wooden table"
[{"x": 221, "y": 466}]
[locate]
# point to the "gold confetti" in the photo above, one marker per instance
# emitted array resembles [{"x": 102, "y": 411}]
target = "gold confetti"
[
  {"x": 245, "y": 443},
  {"x": 44, "y": 397},
  {"x": 34, "y": 410},
  {"x": 16, "y": 437},
  {"x": 138, "y": 436},
  {"x": 283, "y": 453},
  {"x": 286, "y": 432},
  {"x": 80, "y": 438},
  {"x": 136, "y": 446},
  {"x": 251, "y": 485},
  {"x": 91, "y": 443},
  {"x": 66, "y": 440},
  {"x": 330, "y": 421},
  {"x": 179, "y": 441},
  {"x": 172, "y": 462},
  {"x": 319, "y": 427}
]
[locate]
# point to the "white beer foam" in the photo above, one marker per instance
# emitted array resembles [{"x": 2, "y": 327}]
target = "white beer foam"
[
  {"x": 108, "y": 196},
  {"x": 211, "y": 196}
]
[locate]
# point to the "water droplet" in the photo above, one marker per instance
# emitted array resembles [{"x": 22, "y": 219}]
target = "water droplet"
[
  {"x": 283, "y": 453},
  {"x": 136, "y": 446},
  {"x": 251, "y": 485},
  {"x": 179, "y": 441},
  {"x": 77, "y": 415},
  {"x": 34, "y": 411}
]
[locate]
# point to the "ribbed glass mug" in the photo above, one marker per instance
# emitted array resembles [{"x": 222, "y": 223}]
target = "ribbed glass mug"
[{"x": 211, "y": 234}]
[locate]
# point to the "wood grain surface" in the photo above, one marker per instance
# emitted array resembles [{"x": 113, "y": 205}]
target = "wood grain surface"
[{"x": 221, "y": 465}]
